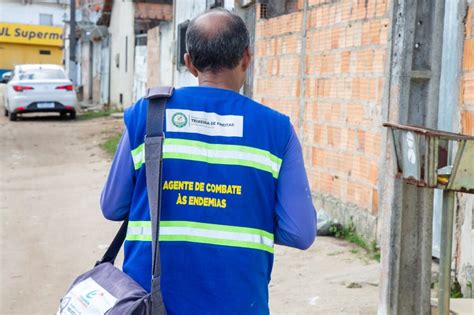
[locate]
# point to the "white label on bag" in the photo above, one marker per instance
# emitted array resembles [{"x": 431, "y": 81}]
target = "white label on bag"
[
  {"x": 86, "y": 297},
  {"x": 210, "y": 124}
]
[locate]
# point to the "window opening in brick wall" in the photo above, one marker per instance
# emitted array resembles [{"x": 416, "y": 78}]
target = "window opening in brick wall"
[
  {"x": 141, "y": 39},
  {"x": 274, "y": 8},
  {"x": 211, "y": 4},
  {"x": 263, "y": 11},
  {"x": 181, "y": 43}
]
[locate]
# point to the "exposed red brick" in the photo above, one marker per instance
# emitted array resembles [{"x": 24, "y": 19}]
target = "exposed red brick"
[
  {"x": 345, "y": 61},
  {"x": 467, "y": 122},
  {"x": 346, "y": 47},
  {"x": 468, "y": 89},
  {"x": 375, "y": 201},
  {"x": 468, "y": 57}
]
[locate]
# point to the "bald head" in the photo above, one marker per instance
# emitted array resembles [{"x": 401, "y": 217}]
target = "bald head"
[
  {"x": 216, "y": 40},
  {"x": 209, "y": 24}
]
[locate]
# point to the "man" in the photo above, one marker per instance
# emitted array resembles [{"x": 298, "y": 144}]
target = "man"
[{"x": 234, "y": 183}]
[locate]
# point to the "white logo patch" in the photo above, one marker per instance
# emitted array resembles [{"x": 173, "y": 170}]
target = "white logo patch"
[
  {"x": 86, "y": 297},
  {"x": 210, "y": 124}
]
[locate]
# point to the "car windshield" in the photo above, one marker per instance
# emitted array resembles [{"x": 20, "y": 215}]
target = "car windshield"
[{"x": 41, "y": 74}]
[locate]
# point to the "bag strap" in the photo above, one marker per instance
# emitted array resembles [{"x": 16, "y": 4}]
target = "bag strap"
[
  {"x": 157, "y": 98},
  {"x": 114, "y": 247}
]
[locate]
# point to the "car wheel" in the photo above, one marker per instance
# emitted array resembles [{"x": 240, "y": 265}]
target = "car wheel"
[
  {"x": 72, "y": 115},
  {"x": 63, "y": 115},
  {"x": 13, "y": 116},
  {"x": 6, "y": 112}
]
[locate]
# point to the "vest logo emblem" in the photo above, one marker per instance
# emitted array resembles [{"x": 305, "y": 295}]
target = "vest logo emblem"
[
  {"x": 179, "y": 120},
  {"x": 204, "y": 123}
]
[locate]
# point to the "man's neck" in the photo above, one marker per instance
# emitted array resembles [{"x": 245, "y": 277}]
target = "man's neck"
[{"x": 222, "y": 80}]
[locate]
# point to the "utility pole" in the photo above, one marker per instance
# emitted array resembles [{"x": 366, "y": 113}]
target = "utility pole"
[
  {"x": 72, "y": 43},
  {"x": 413, "y": 98}
]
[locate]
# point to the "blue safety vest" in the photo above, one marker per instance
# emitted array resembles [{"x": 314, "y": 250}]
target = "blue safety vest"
[{"x": 222, "y": 155}]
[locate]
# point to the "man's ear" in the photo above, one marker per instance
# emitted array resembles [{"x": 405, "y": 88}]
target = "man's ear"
[
  {"x": 246, "y": 59},
  {"x": 189, "y": 65}
]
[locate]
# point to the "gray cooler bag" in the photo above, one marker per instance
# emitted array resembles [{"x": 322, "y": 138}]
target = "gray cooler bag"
[{"x": 105, "y": 289}]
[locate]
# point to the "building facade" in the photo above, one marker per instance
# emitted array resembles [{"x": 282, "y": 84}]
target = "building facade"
[
  {"x": 129, "y": 24},
  {"x": 31, "y": 32},
  {"x": 92, "y": 52}
]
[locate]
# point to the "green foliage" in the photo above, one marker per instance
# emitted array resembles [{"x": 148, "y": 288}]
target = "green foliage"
[
  {"x": 349, "y": 234},
  {"x": 354, "y": 251},
  {"x": 456, "y": 292},
  {"x": 337, "y": 230},
  {"x": 469, "y": 286},
  {"x": 110, "y": 144},
  {"x": 95, "y": 114}
]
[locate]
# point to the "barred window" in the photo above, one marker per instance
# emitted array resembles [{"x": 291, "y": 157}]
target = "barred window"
[{"x": 274, "y": 8}]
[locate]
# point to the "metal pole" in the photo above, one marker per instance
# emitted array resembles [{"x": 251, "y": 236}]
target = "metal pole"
[
  {"x": 451, "y": 71},
  {"x": 72, "y": 43},
  {"x": 446, "y": 248}
]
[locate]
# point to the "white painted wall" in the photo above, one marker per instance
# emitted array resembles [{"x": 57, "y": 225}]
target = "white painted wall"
[
  {"x": 140, "y": 75},
  {"x": 121, "y": 77},
  {"x": 186, "y": 10},
  {"x": 13, "y": 11},
  {"x": 167, "y": 53},
  {"x": 104, "y": 71}
]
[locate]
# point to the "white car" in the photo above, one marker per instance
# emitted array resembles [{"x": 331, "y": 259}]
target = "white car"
[{"x": 39, "y": 88}]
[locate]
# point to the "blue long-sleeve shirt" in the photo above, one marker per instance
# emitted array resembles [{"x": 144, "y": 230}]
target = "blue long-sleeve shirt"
[{"x": 295, "y": 222}]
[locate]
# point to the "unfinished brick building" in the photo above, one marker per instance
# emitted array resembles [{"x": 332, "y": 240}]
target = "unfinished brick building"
[
  {"x": 328, "y": 64},
  {"x": 326, "y": 70}
]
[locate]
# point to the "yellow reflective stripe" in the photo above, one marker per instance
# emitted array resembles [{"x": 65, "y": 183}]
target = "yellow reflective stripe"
[
  {"x": 138, "y": 156},
  {"x": 139, "y": 231},
  {"x": 216, "y": 227},
  {"x": 139, "y": 223},
  {"x": 205, "y": 233},
  {"x": 214, "y": 154},
  {"x": 224, "y": 147},
  {"x": 143, "y": 238},
  {"x": 214, "y": 241}
]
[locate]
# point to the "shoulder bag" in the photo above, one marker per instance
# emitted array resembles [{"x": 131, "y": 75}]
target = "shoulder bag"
[{"x": 105, "y": 289}]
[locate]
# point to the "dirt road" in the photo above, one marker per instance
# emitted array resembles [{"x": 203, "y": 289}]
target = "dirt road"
[
  {"x": 51, "y": 225},
  {"x": 51, "y": 175}
]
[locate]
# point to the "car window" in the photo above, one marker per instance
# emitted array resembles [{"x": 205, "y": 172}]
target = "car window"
[{"x": 41, "y": 74}]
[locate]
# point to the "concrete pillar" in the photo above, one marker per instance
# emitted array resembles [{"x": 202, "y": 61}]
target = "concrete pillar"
[{"x": 413, "y": 91}]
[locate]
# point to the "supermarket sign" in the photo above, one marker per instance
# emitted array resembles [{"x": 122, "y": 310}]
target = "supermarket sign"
[{"x": 31, "y": 34}]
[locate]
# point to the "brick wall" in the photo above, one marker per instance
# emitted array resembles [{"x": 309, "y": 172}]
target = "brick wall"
[
  {"x": 340, "y": 121},
  {"x": 153, "y": 57},
  {"x": 467, "y": 87},
  {"x": 153, "y": 11},
  {"x": 277, "y": 61}
]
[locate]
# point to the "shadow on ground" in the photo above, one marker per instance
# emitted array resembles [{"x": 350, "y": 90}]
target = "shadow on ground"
[{"x": 42, "y": 118}]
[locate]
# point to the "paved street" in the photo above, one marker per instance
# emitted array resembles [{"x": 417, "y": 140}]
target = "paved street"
[{"x": 51, "y": 175}]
